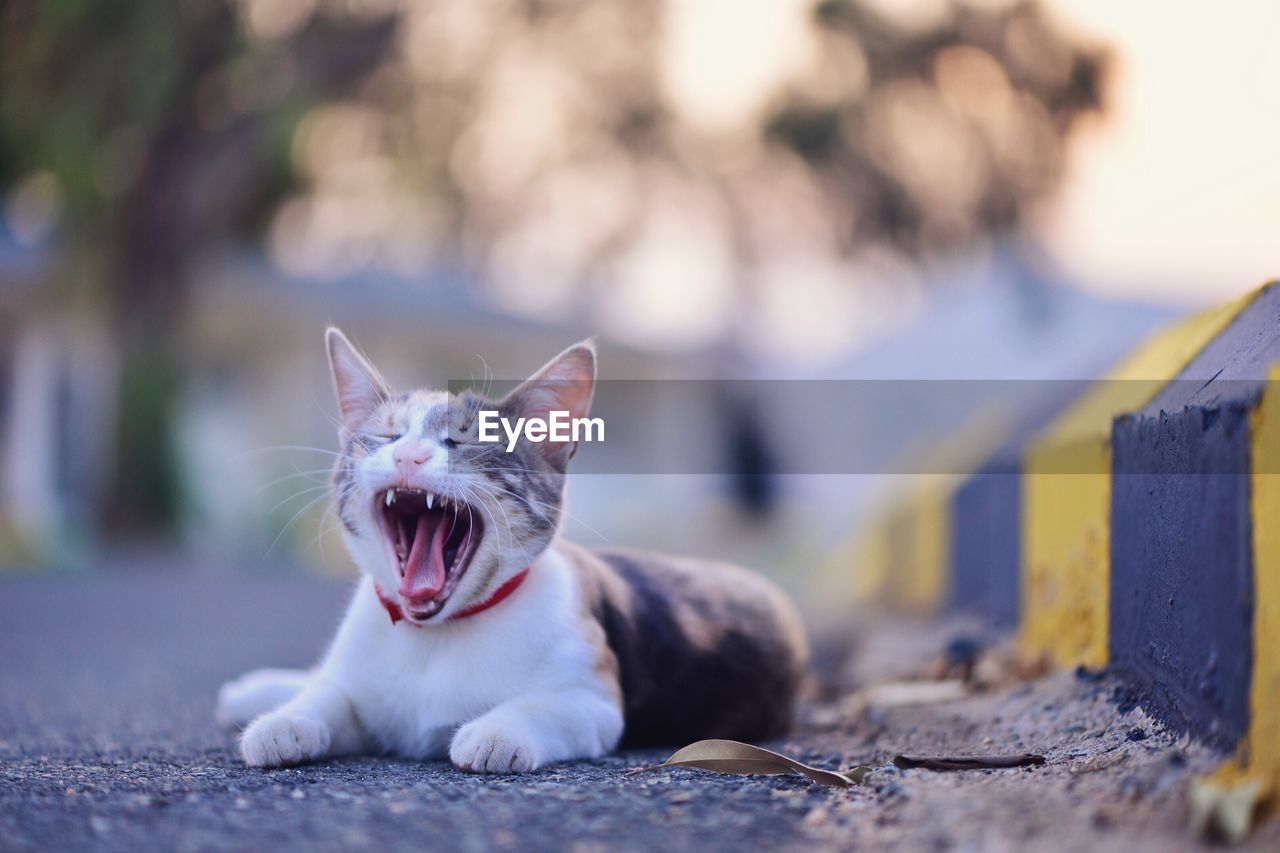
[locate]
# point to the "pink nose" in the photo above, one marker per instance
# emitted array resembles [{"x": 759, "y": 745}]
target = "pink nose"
[{"x": 409, "y": 456}]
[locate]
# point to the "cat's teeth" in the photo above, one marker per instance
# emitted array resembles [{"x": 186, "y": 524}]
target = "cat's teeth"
[
  {"x": 391, "y": 496},
  {"x": 431, "y": 499}
]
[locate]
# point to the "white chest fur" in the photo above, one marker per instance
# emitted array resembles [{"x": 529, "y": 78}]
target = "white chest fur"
[{"x": 410, "y": 688}]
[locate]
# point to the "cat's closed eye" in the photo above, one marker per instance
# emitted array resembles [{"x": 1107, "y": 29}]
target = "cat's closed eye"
[{"x": 372, "y": 441}]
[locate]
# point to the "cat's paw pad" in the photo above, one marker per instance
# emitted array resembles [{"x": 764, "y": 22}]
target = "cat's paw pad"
[
  {"x": 483, "y": 747},
  {"x": 277, "y": 741}
]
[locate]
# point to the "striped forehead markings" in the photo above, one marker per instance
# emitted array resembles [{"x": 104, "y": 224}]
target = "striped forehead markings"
[{"x": 424, "y": 413}]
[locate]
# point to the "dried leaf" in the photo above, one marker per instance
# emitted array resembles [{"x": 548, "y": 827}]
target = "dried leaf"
[
  {"x": 731, "y": 756},
  {"x": 967, "y": 762}
]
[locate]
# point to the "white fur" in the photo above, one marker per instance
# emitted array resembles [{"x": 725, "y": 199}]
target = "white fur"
[
  {"x": 255, "y": 693},
  {"x": 508, "y": 690}
]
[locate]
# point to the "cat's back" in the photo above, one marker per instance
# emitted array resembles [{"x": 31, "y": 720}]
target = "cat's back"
[{"x": 703, "y": 649}]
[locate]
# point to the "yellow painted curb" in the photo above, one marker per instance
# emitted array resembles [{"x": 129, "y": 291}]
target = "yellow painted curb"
[
  {"x": 904, "y": 553},
  {"x": 1067, "y": 496}
]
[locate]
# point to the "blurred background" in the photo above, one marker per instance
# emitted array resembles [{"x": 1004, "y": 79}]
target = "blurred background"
[{"x": 850, "y": 189}]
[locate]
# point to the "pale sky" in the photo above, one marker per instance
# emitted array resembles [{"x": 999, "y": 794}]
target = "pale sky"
[{"x": 1176, "y": 195}]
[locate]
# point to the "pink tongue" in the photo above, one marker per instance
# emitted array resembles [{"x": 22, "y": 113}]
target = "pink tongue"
[{"x": 424, "y": 573}]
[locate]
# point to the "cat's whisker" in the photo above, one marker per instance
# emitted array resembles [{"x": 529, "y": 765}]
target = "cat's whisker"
[
  {"x": 498, "y": 449},
  {"x": 337, "y": 424},
  {"x": 522, "y": 498},
  {"x": 296, "y": 473},
  {"x": 488, "y": 377},
  {"x": 495, "y": 490},
  {"x": 296, "y": 495},
  {"x": 511, "y": 537},
  {"x": 510, "y": 532},
  {"x": 471, "y": 526},
  {"x": 469, "y": 496},
  {"x": 560, "y": 508},
  {"x": 279, "y": 447},
  {"x": 292, "y": 520},
  {"x": 327, "y": 521},
  {"x": 497, "y": 531}
]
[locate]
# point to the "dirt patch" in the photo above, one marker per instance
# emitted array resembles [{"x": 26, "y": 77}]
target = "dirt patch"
[{"x": 1114, "y": 778}]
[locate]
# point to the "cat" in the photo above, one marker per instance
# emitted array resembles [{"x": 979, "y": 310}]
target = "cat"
[{"x": 476, "y": 633}]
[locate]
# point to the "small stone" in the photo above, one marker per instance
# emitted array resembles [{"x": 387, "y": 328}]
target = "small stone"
[{"x": 963, "y": 650}]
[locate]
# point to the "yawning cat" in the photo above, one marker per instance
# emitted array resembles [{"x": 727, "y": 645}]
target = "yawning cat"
[{"x": 475, "y": 632}]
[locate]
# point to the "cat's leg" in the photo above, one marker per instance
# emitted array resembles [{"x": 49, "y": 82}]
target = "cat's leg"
[
  {"x": 317, "y": 723},
  {"x": 529, "y": 731},
  {"x": 253, "y": 694}
]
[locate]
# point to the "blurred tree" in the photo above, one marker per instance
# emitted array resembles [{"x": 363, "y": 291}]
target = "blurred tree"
[
  {"x": 959, "y": 128},
  {"x": 546, "y": 146},
  {"x": 165, "y": 130}
]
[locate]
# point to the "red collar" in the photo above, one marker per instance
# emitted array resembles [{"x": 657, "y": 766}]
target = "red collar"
[{"x": 500, "y": 594}]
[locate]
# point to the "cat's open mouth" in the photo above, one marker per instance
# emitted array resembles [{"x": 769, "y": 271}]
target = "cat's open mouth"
[{"x": 430, "y": 541}]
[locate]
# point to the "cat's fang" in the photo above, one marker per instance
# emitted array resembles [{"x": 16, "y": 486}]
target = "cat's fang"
[
  {"x": 430, "y": 500},
  {"x": 391, "y": 496}
]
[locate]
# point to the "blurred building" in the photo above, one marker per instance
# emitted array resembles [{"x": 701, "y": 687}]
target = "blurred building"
[
  {"x": 57, "y": 378},
  {"x": 255, "y": 424}
]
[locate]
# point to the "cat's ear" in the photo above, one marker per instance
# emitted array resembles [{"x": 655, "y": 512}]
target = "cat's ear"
[
  {"x": 566, "y": 383},
  {"x": 359, "y": 386}
]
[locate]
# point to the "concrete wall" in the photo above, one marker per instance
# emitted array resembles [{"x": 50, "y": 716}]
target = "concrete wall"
[{"x": 1134, "y": 529}]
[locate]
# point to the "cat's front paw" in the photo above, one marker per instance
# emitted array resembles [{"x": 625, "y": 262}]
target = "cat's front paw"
[
  {"x": 281, "y": 741},
  {"x": 484, "y": 746}
]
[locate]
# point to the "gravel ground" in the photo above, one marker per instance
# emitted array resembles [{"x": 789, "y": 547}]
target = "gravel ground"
[{"x": 107, "y": 742}]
